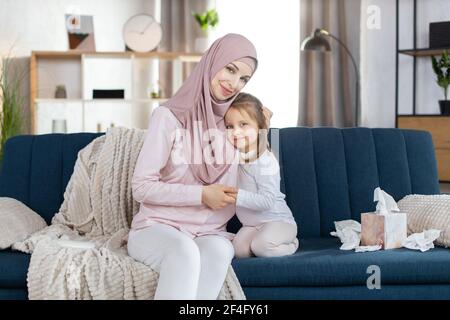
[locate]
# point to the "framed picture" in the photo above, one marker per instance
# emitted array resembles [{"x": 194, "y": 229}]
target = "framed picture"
[{"x": 80, "y": 30}]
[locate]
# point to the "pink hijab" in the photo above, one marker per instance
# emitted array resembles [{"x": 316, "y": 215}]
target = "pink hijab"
[{"x": 201, "y": 115}]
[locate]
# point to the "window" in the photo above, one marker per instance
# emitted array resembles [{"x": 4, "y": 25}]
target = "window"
[{"x": 274, "y": 28}]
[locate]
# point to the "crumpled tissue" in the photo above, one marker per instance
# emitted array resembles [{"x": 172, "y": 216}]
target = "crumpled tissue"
[
  {"x": 387, "y": 221},
  {"x": 348, "y": 231},
  {"x": 422, "y": 241}
]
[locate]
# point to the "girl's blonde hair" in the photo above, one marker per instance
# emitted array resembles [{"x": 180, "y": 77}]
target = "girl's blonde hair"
[{"x": 254, "y": 108}]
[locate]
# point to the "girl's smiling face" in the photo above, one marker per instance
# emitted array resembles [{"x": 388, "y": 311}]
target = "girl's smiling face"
[
  {"x": 230, "y": 80},
  {"x": 242, "y": 130}
]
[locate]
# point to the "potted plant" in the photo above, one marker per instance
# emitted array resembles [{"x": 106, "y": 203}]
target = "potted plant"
[
  {"x": 206, "y": 20},
  {"x": 442, "y": 69},
  {"x": 11, "y": 103}
]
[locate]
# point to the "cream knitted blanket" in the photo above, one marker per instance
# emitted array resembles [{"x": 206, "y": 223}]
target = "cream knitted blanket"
[{"x": 98, "y": 206}]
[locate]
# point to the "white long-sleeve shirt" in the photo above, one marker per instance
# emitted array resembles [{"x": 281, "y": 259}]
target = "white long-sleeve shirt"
[{"x": 259, "y": 198}]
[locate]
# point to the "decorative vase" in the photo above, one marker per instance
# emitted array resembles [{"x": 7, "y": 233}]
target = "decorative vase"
[
  {"x": 201, "y": 44},
  {"x": 60, "y": 92},
  {"x": 59, "y": 126},
  {"x": 445, "y": 107}
]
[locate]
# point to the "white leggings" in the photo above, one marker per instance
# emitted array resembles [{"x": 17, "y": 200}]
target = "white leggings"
[
  {"x": 270, "y": 239},
  {"x": 188, "y": 268}
]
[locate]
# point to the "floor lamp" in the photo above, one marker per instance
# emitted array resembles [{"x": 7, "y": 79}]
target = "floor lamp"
[{"x": 317, "y": 42}]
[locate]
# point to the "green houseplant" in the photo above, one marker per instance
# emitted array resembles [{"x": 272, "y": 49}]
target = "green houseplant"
[
  {"x": 206, "y": 20},
  {"x": 441, "y": 68},
  {"x": 11, "y": 103}
]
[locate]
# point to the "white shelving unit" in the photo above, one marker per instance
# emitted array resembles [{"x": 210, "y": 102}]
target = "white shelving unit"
[{"x": 82, "y": 72}]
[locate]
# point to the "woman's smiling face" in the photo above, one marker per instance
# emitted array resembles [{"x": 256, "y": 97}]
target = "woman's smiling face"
[{"x": 230, "y": 80}]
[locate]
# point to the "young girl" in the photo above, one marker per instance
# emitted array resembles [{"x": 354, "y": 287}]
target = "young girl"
[{"x": 268, "y": 227}]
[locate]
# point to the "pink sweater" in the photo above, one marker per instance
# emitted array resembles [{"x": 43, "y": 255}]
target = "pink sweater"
[{"x": 167, "y": 191}]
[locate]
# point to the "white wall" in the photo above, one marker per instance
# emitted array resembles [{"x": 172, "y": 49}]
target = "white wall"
[
  {"x": 28, "y": 25},
  {"x": 378, "y": 61},
  {"x": 378, "y": 66},
  {"x": 31, "y": 25},
  {"x": 274, "y": 28}
]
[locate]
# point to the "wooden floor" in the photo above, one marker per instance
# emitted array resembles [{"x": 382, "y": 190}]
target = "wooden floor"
[{"x": 445, "y": 188}]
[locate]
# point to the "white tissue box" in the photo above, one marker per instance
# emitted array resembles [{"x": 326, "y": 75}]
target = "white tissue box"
[{"x": 388, "y": 230}]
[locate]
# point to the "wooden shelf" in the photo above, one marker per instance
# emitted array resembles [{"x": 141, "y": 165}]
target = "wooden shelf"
[
  {"x": 97, "y": 100},
  {"x": 424, "y": 52},
  {"x": 439, "y": 127},
  {"x": 183, "y": 56},
  {"x": 134, "y": 72},
  {"x": 39, "y": 100},
  {"x": 420, "y": 115}
]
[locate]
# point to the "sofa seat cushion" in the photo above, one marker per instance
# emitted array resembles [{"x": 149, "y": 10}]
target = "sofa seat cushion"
[
  {"x": 13, "y": 269},
  {"x": 319, "y": 262}
]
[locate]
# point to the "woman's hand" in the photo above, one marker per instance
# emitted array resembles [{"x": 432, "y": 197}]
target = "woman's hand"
[
  {"x": 268, "y": 114},
  {"x": 217, "y": 196}
]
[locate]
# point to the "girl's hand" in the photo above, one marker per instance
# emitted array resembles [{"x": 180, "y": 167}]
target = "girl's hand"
[
  {"x": 232, "y": 194},
  {"x": 268, "y": 114},
  {"x": 217, "y": 196}
]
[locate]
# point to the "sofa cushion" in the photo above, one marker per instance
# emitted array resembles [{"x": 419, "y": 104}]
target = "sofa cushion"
[
  {"x": 17, "y": 222},
  {"x": 13, "y": 269},
  {"x": 319, "y": 262},
  {"x": 428, "y": 212}
]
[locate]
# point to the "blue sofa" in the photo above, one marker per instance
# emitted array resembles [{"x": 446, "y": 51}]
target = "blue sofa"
[{"x": 328, "y": 175}]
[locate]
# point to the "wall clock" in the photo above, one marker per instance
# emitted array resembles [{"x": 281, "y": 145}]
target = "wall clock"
[{"x": 142, "y": 33}]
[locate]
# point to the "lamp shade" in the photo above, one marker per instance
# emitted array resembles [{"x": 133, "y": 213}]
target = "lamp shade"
[{"x": 316, "y": 42}]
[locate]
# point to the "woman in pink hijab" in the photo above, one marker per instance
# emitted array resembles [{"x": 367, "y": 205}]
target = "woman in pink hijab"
[{"x": 185, "y": 177}]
